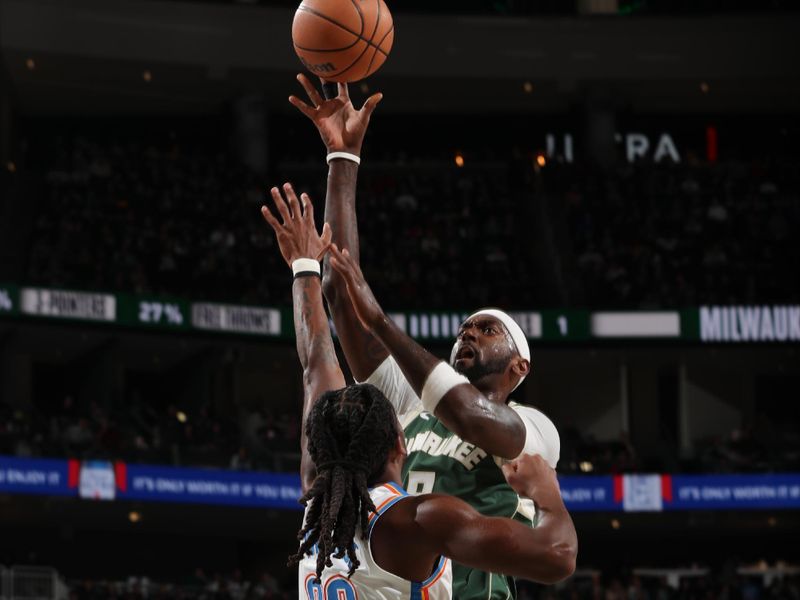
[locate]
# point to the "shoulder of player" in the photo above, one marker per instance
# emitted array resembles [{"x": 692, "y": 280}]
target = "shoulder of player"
[
  {"x": 529, "y": 413},
  {"x": 426, "y": 511}
]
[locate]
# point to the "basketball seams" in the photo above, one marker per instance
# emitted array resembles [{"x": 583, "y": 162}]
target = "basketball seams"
[
  {"x": 347, "y": 29},
  {"x": 360, "y": 16},
  {"x": 377, "y": 22},
  {"x": 374, "y": 54},
  {"x": 330, "y": 49},
  {"x": 352, "y": 64}
]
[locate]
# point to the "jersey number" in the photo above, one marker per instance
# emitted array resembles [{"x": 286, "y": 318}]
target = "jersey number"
[
  {"x": 420, "y": 482},
  {"x": 336, "y": 588}
]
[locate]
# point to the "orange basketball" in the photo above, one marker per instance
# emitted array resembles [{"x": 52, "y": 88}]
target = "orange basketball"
[{"x": 342, "y": 40}]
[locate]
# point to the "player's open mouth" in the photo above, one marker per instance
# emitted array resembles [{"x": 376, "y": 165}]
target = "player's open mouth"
[{"x": 465, "y": 352}]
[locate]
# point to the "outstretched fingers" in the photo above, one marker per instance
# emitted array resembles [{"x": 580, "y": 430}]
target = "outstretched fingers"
[
  {"x": 294, "y": 204},
  {"x": 311, "y": 91},
  {"x": 301, "y": 106},
  {"x": 325, "y": 240},
  {"x": 308, "y": 210},
  {"x": 370, "y": 104},
  {"x": 280, "y": 204},
  {"x": 343, "y": 264},
  {"x": 270, "y": 218}
]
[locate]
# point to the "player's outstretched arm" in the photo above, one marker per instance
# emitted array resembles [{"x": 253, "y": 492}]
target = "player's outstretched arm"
[
  {"x": 546, "y": 553},
  {"x": 342, "y": 129},
  {"x": 464, "y": 409},
  {"x": 298, "y": 238}
]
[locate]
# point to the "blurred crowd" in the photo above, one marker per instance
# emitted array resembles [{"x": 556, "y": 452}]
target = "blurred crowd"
[
  {"x": 200, "y": 586},
  {"x": 594, "y": 585},
  {"x": 143, "y": 432},
  {"x": 259, "y": 439},
  {"x": 155, "y": 218},
  {"x": 693, "y": 584},
  {"x": 162, "y": 215},
  {"x": 683, "y": 235}
]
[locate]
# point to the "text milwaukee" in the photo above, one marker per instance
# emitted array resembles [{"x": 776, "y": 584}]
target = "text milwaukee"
[{"x": 750, "y": 323}]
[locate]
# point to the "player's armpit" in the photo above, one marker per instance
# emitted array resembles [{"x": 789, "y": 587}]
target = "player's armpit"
[{"x": 545, "y": 554}]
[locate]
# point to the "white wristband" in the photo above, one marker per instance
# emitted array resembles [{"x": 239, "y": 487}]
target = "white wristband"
[
  {"x": 305, "y": 266},
  {"x": 345, "y": 155},
  {"x": 441, "y": 380}
]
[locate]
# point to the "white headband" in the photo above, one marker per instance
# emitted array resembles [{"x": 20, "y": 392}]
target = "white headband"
[{"x": 514, "y": 330}]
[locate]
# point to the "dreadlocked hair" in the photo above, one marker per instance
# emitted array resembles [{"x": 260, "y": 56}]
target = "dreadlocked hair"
[{"x": 350, "y": 433}]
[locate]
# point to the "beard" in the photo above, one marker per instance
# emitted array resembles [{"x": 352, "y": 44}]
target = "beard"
[{"x": 480, "y": 369}]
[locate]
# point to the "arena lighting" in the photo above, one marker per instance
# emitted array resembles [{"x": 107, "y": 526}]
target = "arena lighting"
[
  {"x": 615, "y": 524},
  {"x": 704, "y": 87},
  {"x": 30, "y": 63},
  {"x": 11, "y": 166},
  {"x": 586, "y": 466},
  {"x": 527, "y": 87},
  {"x": 181, "y": 416},
  {"x": 541, "y": 160},
  {"x": 134, "y": 517},
  {"x": 459, "y": 159},
  {"x": 147, "y": 76}
]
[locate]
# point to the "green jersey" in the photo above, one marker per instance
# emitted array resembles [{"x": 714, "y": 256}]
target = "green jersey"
[{"x": 441, "y": 462}]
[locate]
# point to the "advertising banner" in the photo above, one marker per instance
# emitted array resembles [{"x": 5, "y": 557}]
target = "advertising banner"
[
  {"x": 210, "y": 486},
  {"x": 103, "y": 480}
]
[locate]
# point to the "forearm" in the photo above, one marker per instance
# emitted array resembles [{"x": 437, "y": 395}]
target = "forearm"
[
  {"x": 415, "y": 362},
  {"x": 363, "y": 352},
  {"x": 545, "y": 554},
  {"x": 340, "y": 207},
  {"x": 317, "y": 357},
  {"x": 312, "y": 333}
]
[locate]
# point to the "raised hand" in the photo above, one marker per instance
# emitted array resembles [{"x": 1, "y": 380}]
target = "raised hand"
[
  {"x": 297, "y": 234},
  {"x": 340, "y": 125},
  {"x": 531, "y": 477},
  {"x": 368, "y": 311}
]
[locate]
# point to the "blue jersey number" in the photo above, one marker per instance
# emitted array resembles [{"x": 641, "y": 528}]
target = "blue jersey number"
[
  {"x": 340, "y": 588},
  {"x": 336, "y": 588}
]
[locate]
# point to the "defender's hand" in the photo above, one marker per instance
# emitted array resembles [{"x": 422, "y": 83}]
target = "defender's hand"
[
  {"x": 297, "y": 235},
  {"x": 531, "y": 477},
  {"x": 340, "y": 125},
  {"x": 368, "y": 311}
]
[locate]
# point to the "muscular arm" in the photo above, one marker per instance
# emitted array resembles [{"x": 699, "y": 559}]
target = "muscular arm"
[
  {"x": 321, "y": 370},
  {"x": 433, "y": 524},
  {"x": 465, "y": 410},
  {"x": 546, "y": 553},
  {"x": 297, "y": 238},
  {"x": 342, "y": 129},
  {"x": 361, "y": 349}
]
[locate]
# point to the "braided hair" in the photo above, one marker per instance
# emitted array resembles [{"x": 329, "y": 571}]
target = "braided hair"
[{"x": 350, "y": 433}]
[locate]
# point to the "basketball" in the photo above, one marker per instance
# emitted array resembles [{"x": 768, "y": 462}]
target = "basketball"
[{"x": 342, "y": 40}]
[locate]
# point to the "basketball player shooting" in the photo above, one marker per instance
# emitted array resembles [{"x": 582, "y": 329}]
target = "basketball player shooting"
[
  {"x": 363, "y": 535},
  {"x": 458, "y": 419}
]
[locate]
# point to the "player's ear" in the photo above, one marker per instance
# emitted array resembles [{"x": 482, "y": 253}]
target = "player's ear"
[
  {"x": 520, "y": 366},
  {"x": 399, "y": 451}
]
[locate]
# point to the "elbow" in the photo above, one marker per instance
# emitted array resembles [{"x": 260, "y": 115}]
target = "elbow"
[
  {"x": 562, "y": 561},
  {"x": 330, "y": 285}
]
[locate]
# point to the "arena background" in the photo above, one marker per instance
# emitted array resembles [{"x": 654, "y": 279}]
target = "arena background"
[{"x": 622, "y": 175}]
